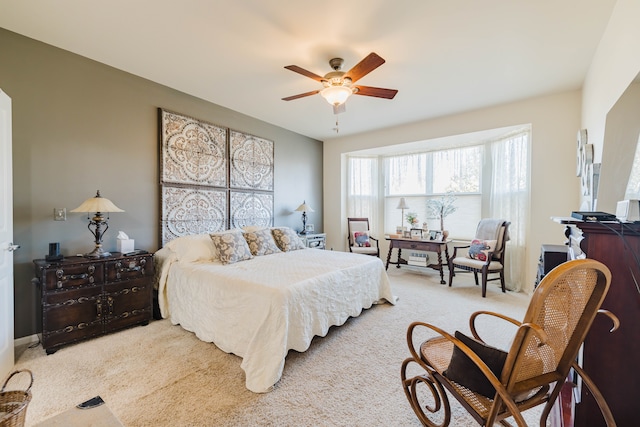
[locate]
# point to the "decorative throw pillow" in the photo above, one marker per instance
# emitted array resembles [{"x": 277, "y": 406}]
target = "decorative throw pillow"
[
  {"x": 361, "y": 239},
  {"x": 287, "y": 239},
  {"x": 466, "y": 373},
  {"x": 231, "y": 246},
  {"x": 480, "y": 249},
  {"x": 261, "y": 242}
]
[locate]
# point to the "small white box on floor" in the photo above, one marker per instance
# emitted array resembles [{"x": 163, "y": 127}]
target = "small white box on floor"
[{"x": 126, "y": 245}]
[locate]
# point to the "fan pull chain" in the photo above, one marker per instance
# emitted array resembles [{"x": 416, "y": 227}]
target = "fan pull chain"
[{"x": 337, "y": 128}]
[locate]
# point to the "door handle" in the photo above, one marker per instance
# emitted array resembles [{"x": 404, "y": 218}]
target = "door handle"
[{"x": 13, "y": 247}]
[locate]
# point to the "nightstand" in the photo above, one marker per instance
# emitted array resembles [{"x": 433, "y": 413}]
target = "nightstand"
[
  {"x": 317, "y": 241},
  {"x": 87, "y": 297}
]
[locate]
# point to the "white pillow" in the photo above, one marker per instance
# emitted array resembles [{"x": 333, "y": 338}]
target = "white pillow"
[
  {"x": 193, "y": 248},
  {"x": 252, "y": 228}
]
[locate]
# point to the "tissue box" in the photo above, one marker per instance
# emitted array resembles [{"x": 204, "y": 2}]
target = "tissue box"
[{"x": 125, "y": 245}]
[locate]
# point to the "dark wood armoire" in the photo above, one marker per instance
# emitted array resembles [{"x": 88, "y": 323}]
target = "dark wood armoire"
[{"x": 610, "y": 358}]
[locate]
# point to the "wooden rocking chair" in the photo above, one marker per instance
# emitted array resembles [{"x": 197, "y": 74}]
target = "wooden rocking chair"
[{"x": 493, "y": 385}]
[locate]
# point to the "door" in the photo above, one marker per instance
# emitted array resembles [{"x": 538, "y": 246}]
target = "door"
[{"x": 6, "y": 240}]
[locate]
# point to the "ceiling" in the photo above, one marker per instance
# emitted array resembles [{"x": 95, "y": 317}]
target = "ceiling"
[{"x": 444, "y": 57}]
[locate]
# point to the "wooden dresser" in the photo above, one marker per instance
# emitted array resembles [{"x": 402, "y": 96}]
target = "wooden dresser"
[
  {"x": 611, "y": 359},
  {"x": 83, "y": 298}
]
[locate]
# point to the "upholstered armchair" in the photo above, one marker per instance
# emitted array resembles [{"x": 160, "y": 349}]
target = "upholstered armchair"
[
  {"x": 485, "y": 255},
  {"x": 360, "y": 239}
]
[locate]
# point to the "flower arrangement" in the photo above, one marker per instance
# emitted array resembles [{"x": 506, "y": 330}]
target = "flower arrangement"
[
  {"x": 412, "y": 218},
  {"x": 442, "y": 207}
]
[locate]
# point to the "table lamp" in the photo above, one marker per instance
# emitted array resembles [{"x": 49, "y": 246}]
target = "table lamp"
[
  {"x": 402, "y": 204},
  {"x": 304, "y": 208},
  {"x": 98, "y": 205}
]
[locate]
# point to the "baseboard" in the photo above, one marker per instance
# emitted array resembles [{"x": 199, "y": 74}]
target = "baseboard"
[{"x": 25, "y": 340}]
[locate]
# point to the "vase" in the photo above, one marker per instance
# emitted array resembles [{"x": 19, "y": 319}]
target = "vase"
[{"x": 445, "y": 234}]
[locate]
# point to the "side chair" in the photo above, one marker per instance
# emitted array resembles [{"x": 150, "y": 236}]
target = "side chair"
[
  {"x": 360, "y": 239},
  {"x": 485, "y": 255}
]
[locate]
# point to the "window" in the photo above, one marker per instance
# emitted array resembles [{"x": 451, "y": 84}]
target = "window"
[
  {"x": 489, "y": 178},
  {"x": 363, "y": 194},
  {"x": 420, "y": 177}
]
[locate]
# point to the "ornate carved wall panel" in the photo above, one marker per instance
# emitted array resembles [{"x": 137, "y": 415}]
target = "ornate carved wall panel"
[
  {"x": 194, "y": 152},
  {"x": 249, "y": 208},
  {"x": 251, "y": 162},
  {"x": 212, "y": 178},
  {"x": 192, "y": 211}
]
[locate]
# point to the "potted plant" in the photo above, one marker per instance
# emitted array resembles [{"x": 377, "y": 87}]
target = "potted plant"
[
  {"x": 412, "y": 219},
  {"x": 442, "y": 207}
]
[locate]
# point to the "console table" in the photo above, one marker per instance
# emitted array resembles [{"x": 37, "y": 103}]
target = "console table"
[
  {"x": 610, "y": 357},
  {"x": 418, "y": 245}
]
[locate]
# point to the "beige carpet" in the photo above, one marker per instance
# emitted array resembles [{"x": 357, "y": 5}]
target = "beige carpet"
[{"x": 162, "y": 375}]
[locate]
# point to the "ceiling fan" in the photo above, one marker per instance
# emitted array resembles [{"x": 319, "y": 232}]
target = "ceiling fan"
[{"x": 339, "y": 85}]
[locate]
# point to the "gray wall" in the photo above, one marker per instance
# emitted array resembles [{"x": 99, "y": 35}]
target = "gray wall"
[{"x": 80, "y": 126}]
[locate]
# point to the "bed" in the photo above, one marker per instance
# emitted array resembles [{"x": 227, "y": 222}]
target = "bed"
[{"x": 263, "y": 305}]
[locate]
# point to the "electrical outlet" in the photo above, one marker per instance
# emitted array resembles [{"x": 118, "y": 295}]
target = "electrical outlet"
[{"x": 59, "y": 214}]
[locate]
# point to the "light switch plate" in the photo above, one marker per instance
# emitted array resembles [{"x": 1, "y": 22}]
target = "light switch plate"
[{"x": 59, "y": 214}]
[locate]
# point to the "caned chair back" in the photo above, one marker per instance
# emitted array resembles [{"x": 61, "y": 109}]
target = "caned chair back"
[{"x": 563, "y": 306}]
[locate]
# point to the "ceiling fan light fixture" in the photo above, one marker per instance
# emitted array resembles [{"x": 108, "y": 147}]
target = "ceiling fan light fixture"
[
  {"x": 338, "y": 85},
  {"x": 336, "y": 95}
]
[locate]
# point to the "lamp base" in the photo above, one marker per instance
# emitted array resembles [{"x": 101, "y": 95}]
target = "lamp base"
[{"x": 98, "y": 252}]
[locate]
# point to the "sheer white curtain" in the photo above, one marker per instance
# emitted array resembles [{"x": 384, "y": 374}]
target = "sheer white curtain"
[
  {"x": 363, "y": 193},
  {"x": 509, "y": 199}
]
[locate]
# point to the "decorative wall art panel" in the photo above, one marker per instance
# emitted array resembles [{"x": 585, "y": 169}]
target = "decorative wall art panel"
[
  {"x": 192, "y": 211},
  {"x": 193, "y": 151},
  {"x": 251, "y": 162},
  {"x": 199, "y": 165},
  {"x": 249, "y": 208}
]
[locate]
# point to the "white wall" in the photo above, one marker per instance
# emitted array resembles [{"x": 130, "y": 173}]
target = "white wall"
[
  {"x": 614, "y": 66},
  {"x": 555, "y": 189}
]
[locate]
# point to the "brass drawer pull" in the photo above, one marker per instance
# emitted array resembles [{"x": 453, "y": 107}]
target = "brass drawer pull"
[
  {"x": 132, "y": 268},
  {"x": 62, "y": 278}
]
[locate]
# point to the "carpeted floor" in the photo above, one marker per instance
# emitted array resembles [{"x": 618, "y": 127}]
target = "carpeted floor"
[{"x": 162, "y": 375}]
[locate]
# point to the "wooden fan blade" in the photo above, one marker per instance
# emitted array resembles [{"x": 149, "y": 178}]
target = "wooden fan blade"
[
  {"x": 304, "y": 72},
  {"x": 300, "y": 95},
  {"x": 364, "y": 67},
  {"x": 378, "y": 92}
]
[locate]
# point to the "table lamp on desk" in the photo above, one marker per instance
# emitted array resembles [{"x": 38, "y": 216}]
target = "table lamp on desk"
[{"x": 402, "y": 205}]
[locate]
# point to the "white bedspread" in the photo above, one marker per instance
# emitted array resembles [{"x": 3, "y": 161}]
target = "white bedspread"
[{"x": 262, "y": 308}]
